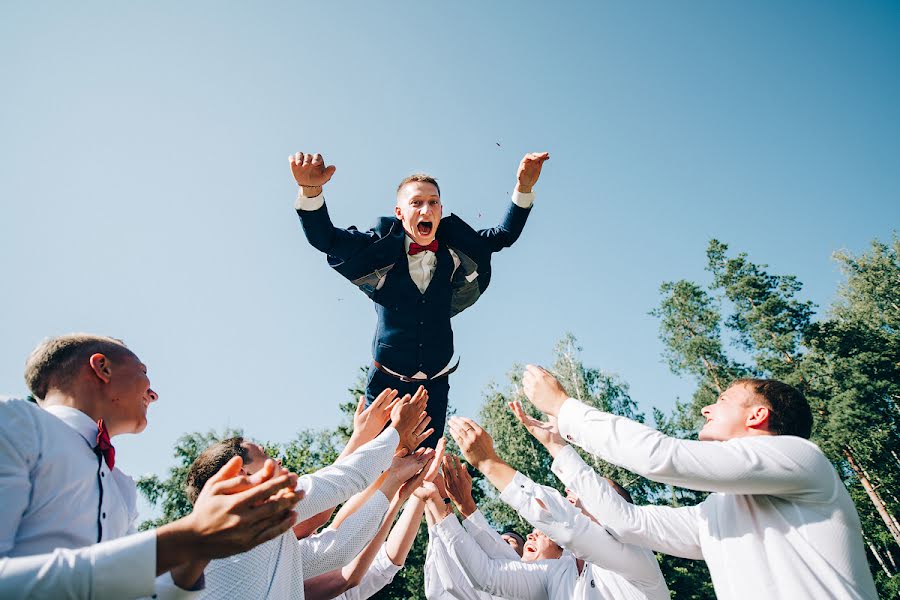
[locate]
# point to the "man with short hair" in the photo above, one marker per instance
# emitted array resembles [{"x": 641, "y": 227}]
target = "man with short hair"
[
  {"x": 279, "y": 567},
  {"x": 419, "y": 267},
  {"x": 67, "y": 528},
  {"x": 598, "y": 567},
  {"x": 779, "y": 522}
]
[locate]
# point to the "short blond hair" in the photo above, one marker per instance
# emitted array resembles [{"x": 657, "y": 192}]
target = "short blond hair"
[
  {"x": 56, "y": 360},
  {"x": 422, "y": 177}
]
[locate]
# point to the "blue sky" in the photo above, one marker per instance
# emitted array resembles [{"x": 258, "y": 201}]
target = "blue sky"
[{"x": 145, "y": 189}]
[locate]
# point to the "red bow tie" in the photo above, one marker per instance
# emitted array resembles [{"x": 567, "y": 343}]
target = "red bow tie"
[
  {"x": 415, "y": 248},
  {"x": 104, "y": 446}
]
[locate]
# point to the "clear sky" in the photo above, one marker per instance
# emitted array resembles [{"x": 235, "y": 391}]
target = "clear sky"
[{"x": 146, "y": 194}]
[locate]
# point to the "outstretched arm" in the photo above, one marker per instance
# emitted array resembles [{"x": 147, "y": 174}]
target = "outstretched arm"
[
  {"x": 778, "y": 465},
  {"x": 311, "y": 174},
  {"x": 505, "y": 234},
  {"x": 507, "y": 578}
]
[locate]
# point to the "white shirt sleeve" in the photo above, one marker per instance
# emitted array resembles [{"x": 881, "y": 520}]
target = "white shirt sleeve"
[
  {"x": 670, "y": 530},
  {"x": 333, "y": 485},
  {"x": 304, "y": 203},
  {"x": 511, "y": 579},
  {"x": 380, "y": 574},
  {"x": 566, "y": 525},
  {"x": 522, "y": 200},
  {"x": 448, "y": 579},
  {"x": 776, "y": 465},
  {"x": 335, "y": 548},
  {"x": 487, "y": 537},
  {"x": 19, "y": 450},
  {"x": 120, "y": 568}
]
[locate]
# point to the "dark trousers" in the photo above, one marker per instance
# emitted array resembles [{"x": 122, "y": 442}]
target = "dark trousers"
[{"x": 438, "y": 390}]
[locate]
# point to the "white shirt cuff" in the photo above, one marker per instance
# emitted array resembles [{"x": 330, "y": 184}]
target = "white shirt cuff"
[
  {"x": 515, "y": 494},
  {"x": 566, "y": 464},
  {"x": 304, "y": 203},
  {"x": 125, "y": 567},
  {"x": 570, "y": 413},
  {"x": 521, "y": 200}
]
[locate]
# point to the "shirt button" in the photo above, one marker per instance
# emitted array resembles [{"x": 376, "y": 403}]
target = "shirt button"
[
  {"x": 104, "y": 515},
  {"x": 420, "y": 345},
  {"x": 102, "y": 474}
]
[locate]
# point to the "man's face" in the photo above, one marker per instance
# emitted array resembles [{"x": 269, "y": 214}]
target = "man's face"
[
  {"x": 539, "y": 547},
  {"x": 730, "y": 416},
  {"x": 419, "y": 208},
  {"x": 514, "y": 542},
  {"x": 256, "y": 458},
  {"x": 130, "y": 394}
]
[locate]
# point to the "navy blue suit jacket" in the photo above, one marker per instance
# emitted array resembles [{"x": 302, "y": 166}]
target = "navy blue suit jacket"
[{"x": 413, "y": 332}]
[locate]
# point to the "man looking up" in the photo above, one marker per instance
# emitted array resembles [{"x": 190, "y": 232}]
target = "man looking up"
[
  {"x": 419, "y": 267},
  {"x": 606, "y": 568},
  {"x": 779, "y": 522},
  {"x": 67, "y": 528}
]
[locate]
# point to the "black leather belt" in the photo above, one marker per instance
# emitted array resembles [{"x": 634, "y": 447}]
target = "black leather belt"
[{"x": 406, "y": 379}]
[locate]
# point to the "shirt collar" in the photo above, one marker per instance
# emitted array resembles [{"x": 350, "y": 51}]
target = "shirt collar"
[
  {"x": 406, "y": 242},
  {"x": 77, "y": 420}
]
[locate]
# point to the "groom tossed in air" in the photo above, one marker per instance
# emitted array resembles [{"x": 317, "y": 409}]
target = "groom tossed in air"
[{"x": 419, "y": 268}]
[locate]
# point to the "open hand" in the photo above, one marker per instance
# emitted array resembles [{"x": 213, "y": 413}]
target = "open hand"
[
  {"x": 474, "y": 442},
  {"x": 234, "y": 513},
  {"x": 408, "y": 416},
  {"x": 547, "y": 433},
  {"x": 459, "y": 485},
  {"x": 369, "y": 421}
]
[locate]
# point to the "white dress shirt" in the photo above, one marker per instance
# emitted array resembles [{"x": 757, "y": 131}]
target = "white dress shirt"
[
  {"x": 444, "y": 578},
  {"x": 278, "y": 567},
  {"x": 552, "y": 579},
  {"x": 335, "y": 484},
  {"x": 59, "y": 498},
  {"x": 380, "y": 573},
  {"x": 619, "y": 570},
  {"x": 778, "y": 511}
]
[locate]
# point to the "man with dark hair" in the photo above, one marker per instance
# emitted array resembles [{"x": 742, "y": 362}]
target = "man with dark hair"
[
  {"x": 420, "y": 268},
  {"x": 278, "y": 568},
  {"x": 779, "y": 523},
  {"x": 68, "y": 524},
  {"x": 599, "y": 565}
]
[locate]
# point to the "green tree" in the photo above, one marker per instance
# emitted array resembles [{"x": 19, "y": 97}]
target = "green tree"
[{"x": 846, "y": 364}]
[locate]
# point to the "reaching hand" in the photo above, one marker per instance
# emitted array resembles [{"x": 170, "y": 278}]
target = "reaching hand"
[
  {"x": 405, "y": 467},
  {"x": 407, "y": 417},
  {"x": 309, "y": 170},
  {"x": 544, "y": 391},
  {"x": 530, "y": 170},
  {"x": 474, "y": 442},
  {"x": 369, "y": 422},
  {"x": 547, "y": 433},
  {"x": 459, "y": 485},
  {"x": 235, "y": 513}
]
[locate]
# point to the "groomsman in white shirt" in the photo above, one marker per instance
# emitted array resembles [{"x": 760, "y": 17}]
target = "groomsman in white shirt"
[
  {"x": 67, "y": 528},
  {"x": 598, "y": 567},
  {"x": 279, "y": 567},
  {"x": 779, "y": 522}
]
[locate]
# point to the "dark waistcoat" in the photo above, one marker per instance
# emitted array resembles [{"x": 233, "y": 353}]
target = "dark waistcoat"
[{"x": 413, "y": 332}]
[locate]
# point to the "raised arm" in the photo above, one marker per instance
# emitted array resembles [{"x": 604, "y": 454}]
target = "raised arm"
[
  {"x": 372, "y": 568},
  {"x": 505, "y": 234},
  {"x": 512, "y": 579},
  {"x": 311, "y": 174},
  {"x": 547, "y": 510},
  {"x": 775, "y": 465}
]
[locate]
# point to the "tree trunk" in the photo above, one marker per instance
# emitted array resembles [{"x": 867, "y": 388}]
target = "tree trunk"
[
  {"x": 877, "y": 556},
  {"x": 874, "y": 497}
]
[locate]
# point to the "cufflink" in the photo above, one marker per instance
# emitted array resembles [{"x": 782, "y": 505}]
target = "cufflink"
[{"x": 569, "y": 436}]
